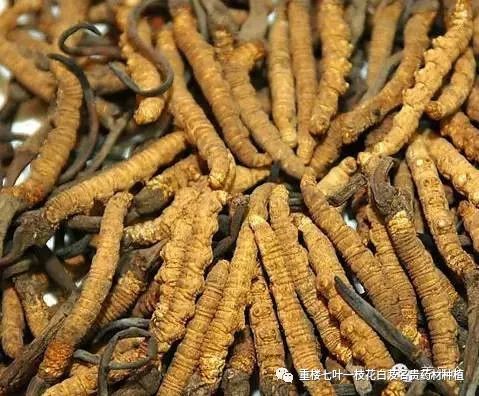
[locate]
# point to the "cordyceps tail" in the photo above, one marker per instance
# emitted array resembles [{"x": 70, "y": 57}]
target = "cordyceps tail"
[
  {"x": 34, "y": 230},
  {"x": 9, "y": 206}
]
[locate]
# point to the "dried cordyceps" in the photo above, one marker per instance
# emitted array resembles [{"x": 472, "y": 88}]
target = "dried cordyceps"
[
  {"x": 455, "y": 94},
  {"x": 463, "y": 135},
  {"x": 436, "y": 208},
  {"x": 160, "y": 189},
  {"x": 142, "y": 71},
  {"x": 337, "y": 177},
  {"x": 151, "y": 231},
  {"x": 304, "y": 71},
  {"x": 268, "y": 342},
  {"x": 360, "y": 259},
  {"x": 347, "y": 127},
  {"x": 173, "y": 256},
  {"x": 335, "y": 52},
  {"x": 130, "y": 284},
  {"x": 224, "y": 126},
  {"x": 227, "y": 319},
  {"x": 13, "y": 322},
  {"x": 53, "y": 153},
  {"x": 299, "y": 336},
  {"x": 296, "y": 261},
  {"x": 385, "y": 22},
  {"x": 404, "y": 182},
  {"x": 207, "y": 70},
  {"x": 188, "y": 352},
  {"x": 280, "y": 77},
  {"x": 81, "y": 197},
  {"x": 30, "y": 287},
  {"x": 442, "y": 326},
  {"x": 236, "y": 68},
  {"x": 396, "y": 277},
  {"x": 23, "y": 68},
  {"x": 470, "y": 216},
  {"x": 364, "y": 342},
  {"x": 453, "y": 166},
  {"x": 94, "y": 291},
  {"x": 240, "y": 366},
  {"x": 437, "y": 63},
  {"x": 170, "y": 327},
  {"x": 85, "y": 382},
  {"x": 245, "y": 178},
  {"x": 197, "y": 126}
]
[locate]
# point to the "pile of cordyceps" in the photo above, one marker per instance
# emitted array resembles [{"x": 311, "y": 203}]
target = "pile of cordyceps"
[{"x": 226, "y": 197}]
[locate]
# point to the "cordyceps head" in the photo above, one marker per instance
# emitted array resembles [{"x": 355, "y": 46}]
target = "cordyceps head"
[
  {"x": 388, "y": 199},
  {"x": 34, "y": 230}
]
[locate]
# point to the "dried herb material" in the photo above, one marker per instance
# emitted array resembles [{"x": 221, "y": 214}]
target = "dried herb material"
[
  {"x": 160, "y": 189},
  {"x": 298, "y": 331},
  {"x": 453, "y": 166},
  {"x": 94, "y": 291},
  {"x": 436, "y": 209},
  {"x": 129, "y": 285},
  {"x": 462, "y": 134},
  {"x": 30, "y": 287},
  {"x": 365, "y": 344},
  {"x": 404, "y": 182},
  {"x": 385, "y": 21},
  {"x": 334, "y": 65},
  {"x": 437, "y": 63},
  {"x": 81, "y": 197},
  {"x": 198, "y": 128},
  {"x": 391, "y": 203},
  {"x": 472, "y": 104},
  {"x": 245, "y": 178},
  {"x": 19, "y": 372},
  {"x": 455, "y": 94},
  {"x": 228, "y": 317},
  {"x": 236, "y": 69},
  {"x": 359, "y": 258},
  {"x": 23, "y": 68},
  {"x": 142, "y": 71},
  {"x": 171, "y": 327},
  {"x": 280, "y": 77},
  {"x": 470, "y": 216},
  {"x": 268, "y": 342},
  {"x": 395, "y": 275},
  {"x": 85, "y": 382},
  {"x": 54, "y": 152},
  {"x": 304, "y": 72},
  {"x": 13, "y": 322},
  {"x": 151, "y": 231},
  {"x": 207, "y": 71},
  {"x": 347, "y": 127},
  {"x": 296, "y": 262},
  {"x": 338, "y": 177},
  {"x": 240, "y": 366},
  {"x": 174, "y": 256},
  {"x": 188, "y": 352}
]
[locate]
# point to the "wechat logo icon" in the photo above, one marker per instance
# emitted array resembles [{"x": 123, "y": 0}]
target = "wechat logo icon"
[{"x": 283, "y": 374}]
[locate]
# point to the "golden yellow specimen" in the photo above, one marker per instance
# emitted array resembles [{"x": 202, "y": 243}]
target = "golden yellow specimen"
[
  {"x": 335, "y": 52},
  {"x": 198, "y": 128},
  {"x": 280, "y": 77},
  {"x": 188, "y": 352},
  {"x": 437, "y": 62}
]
